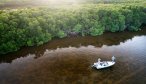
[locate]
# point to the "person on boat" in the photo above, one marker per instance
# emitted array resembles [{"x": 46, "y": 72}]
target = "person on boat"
[
  {"x": 99, "y": 60},
  {"x": 113, "y": 58}
]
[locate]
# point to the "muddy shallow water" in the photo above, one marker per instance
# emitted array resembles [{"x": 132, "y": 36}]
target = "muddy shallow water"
[{"x": 69, "y": 60}]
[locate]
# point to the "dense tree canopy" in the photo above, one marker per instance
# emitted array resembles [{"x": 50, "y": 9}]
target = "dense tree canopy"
[{"x": 35, "y": 26}]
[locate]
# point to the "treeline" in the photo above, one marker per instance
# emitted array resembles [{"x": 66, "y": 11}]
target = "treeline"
[
  {"x": 115, "y": 1},
  {"x": 19, "y": 3},
  {"x": 98, "y": 1},
  {"x": 35, "y": 26}
]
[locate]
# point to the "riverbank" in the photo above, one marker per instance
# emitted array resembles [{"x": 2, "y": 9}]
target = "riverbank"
[
  {"x": 76, "y": 42},
  {"x": 69, "y": 60},
  {"x": 36, "y": 26}
]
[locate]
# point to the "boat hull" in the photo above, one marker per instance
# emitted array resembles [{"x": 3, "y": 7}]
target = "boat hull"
[{"x": 104, "y": 64}]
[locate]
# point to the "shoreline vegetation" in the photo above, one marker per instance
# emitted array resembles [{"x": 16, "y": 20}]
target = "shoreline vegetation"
[{"x": 38, "y": 25}]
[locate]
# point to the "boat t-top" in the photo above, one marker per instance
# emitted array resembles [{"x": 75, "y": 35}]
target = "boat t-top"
[{"x": 104, "y": 64}]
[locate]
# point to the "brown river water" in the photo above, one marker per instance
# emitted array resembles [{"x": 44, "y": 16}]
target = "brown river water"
[{"x": 69, "y": 61}]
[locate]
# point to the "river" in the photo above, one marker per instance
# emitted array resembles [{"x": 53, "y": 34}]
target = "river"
[{"x": 69, "y": 60}]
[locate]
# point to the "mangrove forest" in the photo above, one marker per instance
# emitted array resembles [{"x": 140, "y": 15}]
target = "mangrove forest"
[{"x": 31, "y": 26}]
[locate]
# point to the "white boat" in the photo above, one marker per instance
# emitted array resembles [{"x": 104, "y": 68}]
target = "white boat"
[{"x": 104, "y": 64}]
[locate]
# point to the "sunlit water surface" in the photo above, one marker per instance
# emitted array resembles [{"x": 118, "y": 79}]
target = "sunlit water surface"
[{"x": 69, "y": 60}]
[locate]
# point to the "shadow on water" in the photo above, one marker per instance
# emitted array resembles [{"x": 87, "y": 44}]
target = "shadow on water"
[
  {"x": 108, "y": 39},
  {"x": 69, "y": 60}
]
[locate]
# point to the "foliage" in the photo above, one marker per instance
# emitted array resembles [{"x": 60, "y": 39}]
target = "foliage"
[{"x": 35, "y": 26}]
